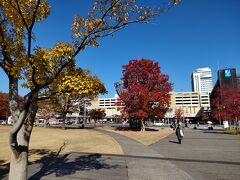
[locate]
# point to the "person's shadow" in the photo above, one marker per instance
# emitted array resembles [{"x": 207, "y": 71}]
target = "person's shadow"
[
  {"x": 4, "y": 169},
  {"x": 176, "y": 142}
]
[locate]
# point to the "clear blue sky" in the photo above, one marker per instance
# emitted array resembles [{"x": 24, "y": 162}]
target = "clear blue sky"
[{"x": 194, "y": 34}]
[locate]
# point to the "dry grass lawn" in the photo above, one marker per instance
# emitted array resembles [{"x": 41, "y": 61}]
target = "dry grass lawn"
[
  {"x": 144, "y": 137},
  {"x": 51, "y": 140},
  {"x": 46, "y": 140}
]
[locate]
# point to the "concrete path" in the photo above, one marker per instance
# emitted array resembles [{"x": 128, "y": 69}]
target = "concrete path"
[
  {"x": 145, "y": 163},
  {"x": 204, "y": 154}
]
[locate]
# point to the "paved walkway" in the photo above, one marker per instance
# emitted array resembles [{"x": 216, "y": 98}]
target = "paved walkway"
[
  {"x": 204, "y": 154},
  {"x": 145, "y": 163}
]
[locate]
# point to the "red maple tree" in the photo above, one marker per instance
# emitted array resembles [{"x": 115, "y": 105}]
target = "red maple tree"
[
  {"x": 225, "y": 103},
  {"x": 97, "y": 114},
  {"x": 4, "y": 108},
  {"x": 4, "y": 104},
  {"x": 178, "y": 115},
  {"x": 146, "y": 90}
]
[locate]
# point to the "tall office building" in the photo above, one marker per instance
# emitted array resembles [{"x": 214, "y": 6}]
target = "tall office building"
[
  {"x": 202, "y": 80},
  {"x": 228, "y": 77}
]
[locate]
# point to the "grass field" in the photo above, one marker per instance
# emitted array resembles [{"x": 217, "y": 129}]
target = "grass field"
[{"x": 52, "y": 139}]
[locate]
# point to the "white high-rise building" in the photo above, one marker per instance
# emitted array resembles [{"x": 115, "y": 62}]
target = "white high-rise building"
[
  {"x": 202, "y": 83},
  {"x": 202, "y": 80}
]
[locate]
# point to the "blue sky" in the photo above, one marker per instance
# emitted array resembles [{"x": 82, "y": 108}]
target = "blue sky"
[{"x": 194, "y": 34}]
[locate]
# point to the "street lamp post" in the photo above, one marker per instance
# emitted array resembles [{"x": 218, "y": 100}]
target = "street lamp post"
[
  {"x": 84, "y": 111},
  {"x": 85, "y": 100},
  {"x": 183, "y": 108}
]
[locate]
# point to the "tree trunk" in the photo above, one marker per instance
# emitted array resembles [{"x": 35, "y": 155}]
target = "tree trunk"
[
  {"x": 20, "y": 133},
  {"x": 143, "y": 125},
  {"x": 237, "y": 124},
  {"x": 19, "y": 144},
  {"x": 19, "y": 157},
  {"x": 63, "y": 120},
  {"x": 47, "y": 124}
]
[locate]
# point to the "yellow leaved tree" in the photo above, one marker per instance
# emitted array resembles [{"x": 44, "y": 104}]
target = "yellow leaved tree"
[
  {"x": 72, "y": 87},
  {"x": 45, "y": 68}
]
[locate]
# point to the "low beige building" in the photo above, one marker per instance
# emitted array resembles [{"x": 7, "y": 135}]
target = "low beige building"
[
  {"x": 108, "y": 104},
  {"x": 189, "y": 102}
]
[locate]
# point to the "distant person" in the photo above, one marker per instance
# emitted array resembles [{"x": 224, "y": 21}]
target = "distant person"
[
  {"x": 173, "y": 125},
  {"x": 10, "y": 120},
  {"x": 179, "y": 133}
]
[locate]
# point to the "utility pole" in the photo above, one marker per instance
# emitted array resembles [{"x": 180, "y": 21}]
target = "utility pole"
[
  {"x": 84, "y": 110},
  {"x": 183, "y": 107}
]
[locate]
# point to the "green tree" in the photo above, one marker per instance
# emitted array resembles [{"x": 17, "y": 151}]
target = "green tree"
[{"x": 43, "y": 67}]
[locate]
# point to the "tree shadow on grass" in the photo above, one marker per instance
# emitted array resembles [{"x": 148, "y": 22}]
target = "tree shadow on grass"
[
  {"x": 150, "y": 129},
  {"x": 122, "y": 128},
  {"x": 4, "y": 169}
]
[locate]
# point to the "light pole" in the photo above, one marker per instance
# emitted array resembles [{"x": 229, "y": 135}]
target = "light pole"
[
  {"x": 84, "y": 112},
  {"x": 85, "y": 100},
  {"x": 183, "y": 108}
]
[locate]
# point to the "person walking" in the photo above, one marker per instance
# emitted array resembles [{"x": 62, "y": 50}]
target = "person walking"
[{"x": 179, "y": 133}]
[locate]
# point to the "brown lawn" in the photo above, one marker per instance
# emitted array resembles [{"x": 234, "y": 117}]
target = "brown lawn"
[
  {"x": 144, "y": 137},
  {"x": 47, "y": 140},
  {"x": 52, "y": 139}
]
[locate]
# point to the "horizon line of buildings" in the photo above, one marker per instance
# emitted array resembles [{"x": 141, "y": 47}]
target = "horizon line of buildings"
[{"x": 192, "y": 103}]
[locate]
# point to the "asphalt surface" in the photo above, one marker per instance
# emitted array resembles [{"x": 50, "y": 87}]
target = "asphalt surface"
[{"x": 203, "y": 154}]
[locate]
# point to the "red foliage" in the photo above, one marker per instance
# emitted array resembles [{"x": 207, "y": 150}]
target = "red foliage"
[
  {"x": 97, "y": 114},
  {"x": 4, "y": 104},
  {"x": 225, "y": 103},
  {"x": 146, "y": 90},
  {"x": 178, "y": 114},
  {"x": 45, "y": 108},
  {"x": 4, "y": 107}
]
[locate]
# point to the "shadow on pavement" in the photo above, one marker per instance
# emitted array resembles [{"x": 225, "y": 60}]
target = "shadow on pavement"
[
  {"x": 227, "y": 139},
  {"x": 176, "y": 142},
  {"x": 172, "y": 159},
  {"x": 62, "y": 165},
  {"x": 216, "y": 132},
  {"x": 59, "y": 165},
  {"x": 4, "y": 169}
]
